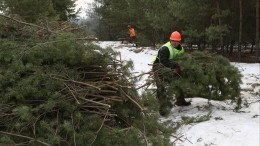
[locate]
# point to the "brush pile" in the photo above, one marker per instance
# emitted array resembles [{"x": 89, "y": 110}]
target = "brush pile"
[{"x": 56, "y": 90}]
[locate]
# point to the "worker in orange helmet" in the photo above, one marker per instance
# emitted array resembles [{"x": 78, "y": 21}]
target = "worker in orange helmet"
[
  {"x": 166, "y": 58},
  {"x": 131, "y": 32}
]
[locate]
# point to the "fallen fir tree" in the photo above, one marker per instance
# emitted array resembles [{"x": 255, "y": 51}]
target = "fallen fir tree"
[
  {"x": 205, "y": 75},
  {"x": 56, "y": 90}
]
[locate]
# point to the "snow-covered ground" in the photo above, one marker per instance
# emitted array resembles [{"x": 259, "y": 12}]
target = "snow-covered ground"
[{"x": 223, "y": 126}]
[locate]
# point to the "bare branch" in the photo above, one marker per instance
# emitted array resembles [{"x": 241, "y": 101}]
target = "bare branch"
[
  {"x": 25, "y": 23},
  {"x": 100, "y": 127}
]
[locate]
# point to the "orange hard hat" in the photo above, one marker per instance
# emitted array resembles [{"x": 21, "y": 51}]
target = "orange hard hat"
[{"x": 175, "y": 36}]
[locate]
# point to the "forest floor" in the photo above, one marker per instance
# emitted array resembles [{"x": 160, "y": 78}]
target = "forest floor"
[{"x": 245, "y": 57}]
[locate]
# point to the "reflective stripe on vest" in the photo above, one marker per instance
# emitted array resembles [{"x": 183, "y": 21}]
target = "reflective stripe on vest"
[{"x": 173, "y": 53}]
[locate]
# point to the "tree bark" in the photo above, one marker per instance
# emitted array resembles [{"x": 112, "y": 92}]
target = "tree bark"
[
  {"x": 220, "y": 23},
  {"x": 240, "y": 28},
  {"x": 257, "y": 31}
]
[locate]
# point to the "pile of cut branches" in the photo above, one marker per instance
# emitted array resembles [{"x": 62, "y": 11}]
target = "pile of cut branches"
[{"x": 58, "y": 91}]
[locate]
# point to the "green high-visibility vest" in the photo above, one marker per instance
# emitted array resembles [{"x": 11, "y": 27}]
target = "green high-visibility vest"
[{"x": 173, "y": 52}]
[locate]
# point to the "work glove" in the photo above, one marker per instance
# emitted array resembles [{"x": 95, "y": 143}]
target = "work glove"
[{"x": 177, "y": 70}]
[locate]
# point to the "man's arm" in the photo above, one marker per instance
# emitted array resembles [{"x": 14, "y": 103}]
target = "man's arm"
[{"x": 164, "y": 58}]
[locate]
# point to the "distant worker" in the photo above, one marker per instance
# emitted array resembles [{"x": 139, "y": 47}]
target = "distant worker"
[
  {"x": 131, "y": 32},
  {"x": 166, "y": 58}
]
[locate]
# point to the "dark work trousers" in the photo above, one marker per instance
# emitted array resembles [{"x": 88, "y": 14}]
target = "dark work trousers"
[
  {"x": 132, "y": 39},
  {"x": 161, "y": 92}
]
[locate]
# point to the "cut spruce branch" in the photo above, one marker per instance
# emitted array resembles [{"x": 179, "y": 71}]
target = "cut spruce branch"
[
  {"x": 133, "y": 101},
  {"x": 92, "y": 101},
  {"x": 100, "y": 127},
  {"x": 64, "y": 40},
  {"x": 25, "y": 23},
  {"x": 22, "y": 136}
]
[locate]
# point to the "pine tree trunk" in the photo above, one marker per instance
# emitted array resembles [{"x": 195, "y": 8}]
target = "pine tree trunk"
[
  {"x": 240, "y": 28},
  {"x": 257, "y": 31},
  {"x": 220, "y": 23}
]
